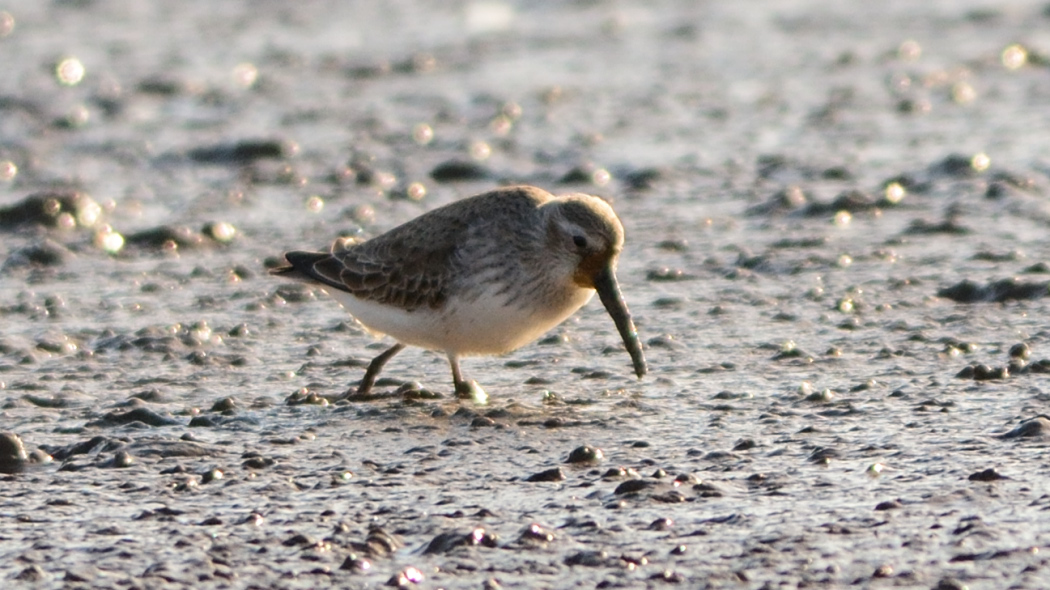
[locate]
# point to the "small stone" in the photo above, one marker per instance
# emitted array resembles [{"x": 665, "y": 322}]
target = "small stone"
[
  {"x": 258, "y": 463},
  {"x": 883, "y": 571},
  {"x": 949, "y": 584},
  {"x": 305, "y": 397},
  {"x": 211, "y": 475},
  {"x": 166, "y": 238},
  {"x": 144, "y": 415},
  {"x": 33, "y": 573},
  {"x": 13, "y": 456},
  {"x": 745, "y": 444},
  {"x": 990, "y": 474},
  {"x": 122, "y": 459},
  {"x": 986, "y": 373},
  {"x": 221, "y": 232},
  {"x": 669, "y": 577},
  {"x": 483, "y": 422},
  {"x": 459, "y": 171},
  {"x": 555, "y": 474},
  {"x": 355, "y": 563},
  {"x": 619, "y": 472},
  {"x": 1020, "y": 351},
  {"x": 446, "y": 542},
  {"x": 633, "y": 486},
  {"x": 297, "y": 540},
  {"x": 588, "y": 558},
  {"x": 405, "y": 577},
  {"x": 585, "y": 454},
  {"x": 686, "y": 479},
  {"x": 661, "y": 524},
  {"x": 823, "y": 456},
  {"x": 889, "y": 505},
  {"x": 44, "y": 253},
  {"x": 536, "y": 534},
  {"x": 380, "y": 543},
  {"x": 243, "y": 152},
  {"x": 1038, "y": 427},
  {"x": 223, "y": 405},
  {"x": 823, "y": 396}
]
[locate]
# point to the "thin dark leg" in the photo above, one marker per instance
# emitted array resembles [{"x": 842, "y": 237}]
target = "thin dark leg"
[
  {"x": 462, "y": 387},
  {"x": 457, "y": 376},
  {"x": 374, "y": 368}
]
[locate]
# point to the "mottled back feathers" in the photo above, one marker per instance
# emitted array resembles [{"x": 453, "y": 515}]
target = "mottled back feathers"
[{"x": 414, "y": 265}]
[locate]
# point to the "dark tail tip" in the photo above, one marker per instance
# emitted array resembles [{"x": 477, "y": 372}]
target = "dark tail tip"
[{"x": 299, "y": 264}]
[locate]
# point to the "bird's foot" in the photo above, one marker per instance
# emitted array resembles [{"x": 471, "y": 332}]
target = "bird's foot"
[{"x": 472, "y": 391}]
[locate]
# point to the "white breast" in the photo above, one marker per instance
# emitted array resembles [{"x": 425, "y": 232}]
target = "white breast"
[{"x": 483, "y": 325}]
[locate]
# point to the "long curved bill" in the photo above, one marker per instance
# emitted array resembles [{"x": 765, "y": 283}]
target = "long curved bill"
[{"x": 609, "y": 292}]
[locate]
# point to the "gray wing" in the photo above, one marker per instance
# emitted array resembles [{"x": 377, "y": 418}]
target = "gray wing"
[
  {"x": 420, "y": 281},
  {"x": 413, "y": 265}
]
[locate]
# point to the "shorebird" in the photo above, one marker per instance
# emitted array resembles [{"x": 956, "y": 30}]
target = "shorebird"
[{"x": 482, "y": 276}]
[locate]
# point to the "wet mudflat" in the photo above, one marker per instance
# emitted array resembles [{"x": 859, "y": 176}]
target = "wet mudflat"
[{"x": 836, "y": 255}]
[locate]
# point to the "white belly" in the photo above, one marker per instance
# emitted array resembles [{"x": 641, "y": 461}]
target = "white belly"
[{"x": 482, "y": 326}]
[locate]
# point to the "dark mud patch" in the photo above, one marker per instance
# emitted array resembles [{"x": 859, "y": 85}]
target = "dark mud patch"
[{"x": 1012, "y": 289}]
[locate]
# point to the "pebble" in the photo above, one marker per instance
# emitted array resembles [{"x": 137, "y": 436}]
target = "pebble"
[
  {"x": 620, "y": 472},
  {"x": 356, "y": 564},
  {"x": 32, "y": 573},
  {"x": 1020, "y": 351},
  {"x": 586, "y": 173},
  {"x": 889, "y": 505},
  {"x": 633, "y": 486},
  {"x": 406, "y": 577},
  {"x": 585, "y": 455},
  {"x": 446, "y": 542},
  {"x": 225, "y": 404},
  {"x": 990, "y": 474},
  {"x": 642, "y": 179},
  {"x": 949, "y": 584},
  {"x": 242, "y": 152},
  {"x": 588, "y": 558},
  {"x": 166, "y": 238},
  {"x": 554, "y": 474},
  {"x": 13, "y": 456},
  {"x": 41, "y": 254},
  {"x": 1012, "y": 289},
  {"x": 144, "y": 416},
  {"x": 1038, "y": 427},
  {"x": 661, "y": 524},
  {"x": 380, "y": 543},
  {"x": 258, "y": 463},
  {"x": 459, "y": 171},
  {"x": 51, "y": 208},
  {"x": 535, "y": 534}
]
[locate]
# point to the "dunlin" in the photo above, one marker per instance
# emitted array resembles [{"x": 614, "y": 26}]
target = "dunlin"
[{"x": 484, "y": 275}]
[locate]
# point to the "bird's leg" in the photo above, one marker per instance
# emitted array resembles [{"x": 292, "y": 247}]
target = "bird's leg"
[
  {"x": 374, "y": 368},
  {"x": 457, "y": 377},
  {"x": 466, "y": 389}
]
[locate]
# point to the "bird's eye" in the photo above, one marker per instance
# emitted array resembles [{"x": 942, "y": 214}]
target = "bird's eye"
[{"x": 580, "y": 241}]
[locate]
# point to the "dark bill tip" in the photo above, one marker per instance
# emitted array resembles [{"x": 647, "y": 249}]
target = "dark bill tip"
[{"x": 609, "y": 293}]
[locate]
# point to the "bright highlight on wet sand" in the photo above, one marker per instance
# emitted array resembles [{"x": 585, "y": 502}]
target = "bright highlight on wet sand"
[{"x": 482, "y": 276}]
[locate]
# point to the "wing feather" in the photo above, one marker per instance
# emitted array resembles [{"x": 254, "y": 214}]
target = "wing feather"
[{"x": 414, "y": 265}]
